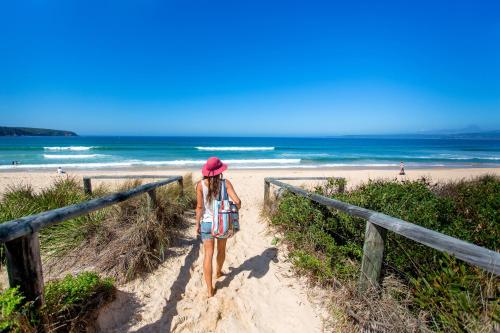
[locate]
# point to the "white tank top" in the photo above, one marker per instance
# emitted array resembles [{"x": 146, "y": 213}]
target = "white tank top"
[{"x": 208, "y": 214}]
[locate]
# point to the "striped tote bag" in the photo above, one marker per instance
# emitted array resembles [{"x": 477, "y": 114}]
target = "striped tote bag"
[{"x": 225, "y": 214}]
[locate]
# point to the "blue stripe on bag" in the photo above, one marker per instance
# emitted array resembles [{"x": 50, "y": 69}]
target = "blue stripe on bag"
[{"x": 222, "y": 213}]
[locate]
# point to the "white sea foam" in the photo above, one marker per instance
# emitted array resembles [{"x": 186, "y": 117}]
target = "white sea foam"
[
  {"x": 298, "y": 166},
  {"x": 130, "y": 163},
  {"x": 235, "y": 148},
  {"x": 73, "y": 148},
  {"x": 69, "y": 165},
  {"x": 265, "y": 161},
  {"x": 236, "y": 164},
  {"x": 307, "y": 155},
  {"x": 244, "y": 161},
  {"x": 175, "y": 162},
  {"x": 329, "y": 165},
  {"x": 376, "y": 165},
  {"x": 360, "y": 164},
  {"x": 79, "y": 156}
]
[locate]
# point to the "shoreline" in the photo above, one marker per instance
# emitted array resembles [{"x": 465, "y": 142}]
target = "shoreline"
[
  {"x": 283, "y": 168},
  {"x": 246, "y": 177}
]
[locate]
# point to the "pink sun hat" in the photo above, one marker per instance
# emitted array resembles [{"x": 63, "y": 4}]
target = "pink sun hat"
[{"x": 213, "y": 167}]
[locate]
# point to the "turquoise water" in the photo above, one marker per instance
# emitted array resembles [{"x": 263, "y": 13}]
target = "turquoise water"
[{"x": 191, "y": 152}]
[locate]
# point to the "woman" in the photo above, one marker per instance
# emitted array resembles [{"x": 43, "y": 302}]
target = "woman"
[{"x": 207, "y": 190}]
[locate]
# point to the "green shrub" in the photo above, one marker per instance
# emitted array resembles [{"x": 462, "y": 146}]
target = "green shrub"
[
  {"x": 461, "y": 299},
  {"x": 458, "y": 297},
  {"x": 71, "y": 303},
  {"x": 307, "y": 262},
  {"x": 15, "y": 313}
]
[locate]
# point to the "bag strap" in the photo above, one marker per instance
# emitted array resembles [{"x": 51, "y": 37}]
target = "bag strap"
[{"x": 223, "y": 191}]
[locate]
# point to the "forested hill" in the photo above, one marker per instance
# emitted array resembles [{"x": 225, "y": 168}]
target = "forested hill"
[{"x": 28, "y": 131}]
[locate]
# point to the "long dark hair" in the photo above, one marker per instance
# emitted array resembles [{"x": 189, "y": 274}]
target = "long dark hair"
[{"x": 213, "y": 187}]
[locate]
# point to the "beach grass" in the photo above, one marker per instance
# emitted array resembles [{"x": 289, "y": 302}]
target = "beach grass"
[
  {"x": 119, "y": 242},
  {"x": 22, "y": 200},
  {"x": 133, "y": 239},
  {"x": 433, "y": 288},
  {"x": 144, "y": 234}
]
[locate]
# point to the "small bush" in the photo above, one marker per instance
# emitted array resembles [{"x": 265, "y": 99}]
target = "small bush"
[
  {"x": 71, "y": 304},
  {"x": 15, "y": 313},
  {"x": 328, "y": 244},
  {"x": 305, "y": 262}
]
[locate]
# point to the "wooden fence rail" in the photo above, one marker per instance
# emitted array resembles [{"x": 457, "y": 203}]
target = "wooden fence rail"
[
  {"x": 376, "y": 226},
  {"x": 87, "y": 180},
  {"x": 21, "y": 235}
]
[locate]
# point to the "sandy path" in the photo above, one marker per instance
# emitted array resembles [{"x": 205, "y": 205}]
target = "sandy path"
[{"x": 255, "y": 295}]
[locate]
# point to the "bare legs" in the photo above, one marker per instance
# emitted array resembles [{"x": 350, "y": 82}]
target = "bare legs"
[
  {"x": 221, "y": 255},
  {"x": 208, "y": 246}
]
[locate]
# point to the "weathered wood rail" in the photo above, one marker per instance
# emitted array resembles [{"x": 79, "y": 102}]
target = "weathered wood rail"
[
  {"x": 20, "y": 236},
  {"x": 377, "y": 224},
  {"x": 87, "y": 180}
]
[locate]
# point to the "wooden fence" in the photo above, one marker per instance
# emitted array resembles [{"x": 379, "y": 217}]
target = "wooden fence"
[
  {"x": 376, "y": 226},
  {"x": 87, "y": 180},
  {"x": 20, "y": 236}
]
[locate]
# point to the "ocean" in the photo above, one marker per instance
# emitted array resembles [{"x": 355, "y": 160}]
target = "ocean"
[{"x": 94, "y": 152}]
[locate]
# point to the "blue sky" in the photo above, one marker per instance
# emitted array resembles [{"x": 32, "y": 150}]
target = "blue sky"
[{"x": 249, "y": 67}]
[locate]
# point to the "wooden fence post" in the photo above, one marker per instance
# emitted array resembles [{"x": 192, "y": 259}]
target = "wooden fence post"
[
  {"x": 373, "y": 256},
  {"x": 267, "y": 190},
  {"x": 152, "y": 199},
  {"x": 24, "y": 267},
  {"x": 181, "y": 186},
  {"x": 87, "y": 185}
]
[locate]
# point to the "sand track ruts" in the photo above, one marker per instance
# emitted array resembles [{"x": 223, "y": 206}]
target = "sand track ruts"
[{"x": 257, "y": 294}]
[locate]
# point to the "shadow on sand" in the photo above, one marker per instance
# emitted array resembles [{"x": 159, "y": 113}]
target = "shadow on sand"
[
  {"x": 119, "y": 313},
  {"x": 258, "y": 266},
  {"x": 178, "y": 288}
]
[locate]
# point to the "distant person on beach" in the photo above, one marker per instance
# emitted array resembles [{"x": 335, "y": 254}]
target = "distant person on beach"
[
  {"x": 207, "y": 190},
  {"x": 60, "y": 171},
  {"x": 402, "y": 169}
]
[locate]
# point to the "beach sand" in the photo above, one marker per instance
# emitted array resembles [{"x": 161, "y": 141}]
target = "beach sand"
[
  {"x": 246, "y": 177},
  {"x": 259, "y": 294}
]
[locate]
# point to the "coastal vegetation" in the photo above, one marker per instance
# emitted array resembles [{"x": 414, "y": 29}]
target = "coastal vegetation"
[
  {"x": 30, "y": 131},
  {"x": 422, "y": 289},
  {"x": 117, "y": 244},
  {"x": 71, "y": 305}
]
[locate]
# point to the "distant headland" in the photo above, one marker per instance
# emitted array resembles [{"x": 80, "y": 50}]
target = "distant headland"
[{"x": 28, "y": 131}]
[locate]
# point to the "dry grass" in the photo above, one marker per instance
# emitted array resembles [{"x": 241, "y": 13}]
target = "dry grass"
[
  {"x": 132, "y": 239},
  {"x": 383, "y": 310}
]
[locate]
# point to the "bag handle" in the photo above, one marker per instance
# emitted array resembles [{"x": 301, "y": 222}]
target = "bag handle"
[{"x": 223, "y": 191}]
